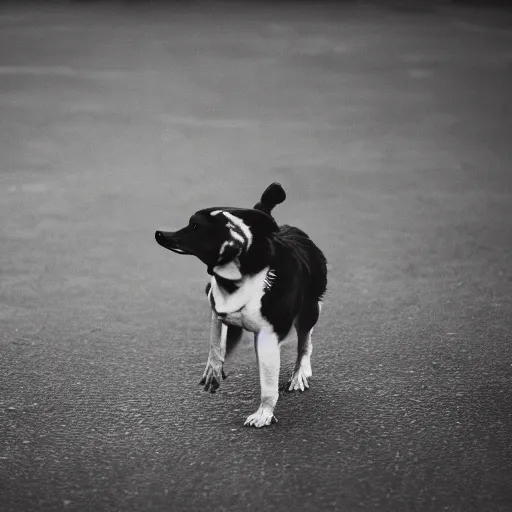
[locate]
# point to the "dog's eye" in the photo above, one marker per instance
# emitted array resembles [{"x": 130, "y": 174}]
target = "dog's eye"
[{"x": 193, "y": 225}]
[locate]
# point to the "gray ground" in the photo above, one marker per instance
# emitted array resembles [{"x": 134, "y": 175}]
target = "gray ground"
[{"x": 389, "y": 128}]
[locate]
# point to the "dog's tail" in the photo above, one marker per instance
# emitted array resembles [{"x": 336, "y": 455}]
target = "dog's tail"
[{"x": 274, "y": 194}]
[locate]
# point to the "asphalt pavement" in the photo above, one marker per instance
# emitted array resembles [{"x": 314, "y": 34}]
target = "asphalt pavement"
[{"x": 389, "y": 127}]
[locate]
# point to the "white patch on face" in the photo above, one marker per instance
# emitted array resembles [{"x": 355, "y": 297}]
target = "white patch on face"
[
  {"x": 224, "y": 269},
  {"x": 236, "y": 236},
  {"x": 227, "y": 243},
  {"x": 215, "y": 212},
  {"x": 246, "y": 230}
]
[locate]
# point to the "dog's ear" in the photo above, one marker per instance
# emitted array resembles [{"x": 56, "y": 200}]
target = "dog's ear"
[
  {"x": 230, "y": 270},
  {"x": 274, "y": 194}
]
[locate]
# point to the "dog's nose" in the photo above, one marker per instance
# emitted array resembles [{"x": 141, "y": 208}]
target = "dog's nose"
[{"x": 158, "y": 234}]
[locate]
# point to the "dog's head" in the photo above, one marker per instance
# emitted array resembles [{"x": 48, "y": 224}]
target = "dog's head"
[{"x": 222, "y": 236}]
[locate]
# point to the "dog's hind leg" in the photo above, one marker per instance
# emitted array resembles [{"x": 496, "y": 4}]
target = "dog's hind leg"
[{"x": 304, "y": 324}]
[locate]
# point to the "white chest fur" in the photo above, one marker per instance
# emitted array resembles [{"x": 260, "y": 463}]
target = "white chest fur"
[{"x": 243, "y": 306}]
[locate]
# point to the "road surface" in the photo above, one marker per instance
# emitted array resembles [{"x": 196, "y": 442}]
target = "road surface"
[{"x": 390, "y": 129}]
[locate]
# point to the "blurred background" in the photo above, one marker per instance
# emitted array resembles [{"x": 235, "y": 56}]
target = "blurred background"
[{"x": 388, "y": 124}]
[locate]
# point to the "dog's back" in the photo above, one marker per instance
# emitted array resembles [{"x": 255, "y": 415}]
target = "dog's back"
[
  {"x": 296, "y": 257},
  {"x": 299, "y": 278},
  {"x": 301, "y": 254}
]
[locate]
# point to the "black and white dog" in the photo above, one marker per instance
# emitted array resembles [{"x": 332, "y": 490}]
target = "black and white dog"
[{"x": 265, "y": 279}]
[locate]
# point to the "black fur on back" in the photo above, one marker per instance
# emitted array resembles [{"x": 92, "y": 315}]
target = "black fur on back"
[
  {"x": 300, "y": 280},
  {"x": 293, "y": 244}
]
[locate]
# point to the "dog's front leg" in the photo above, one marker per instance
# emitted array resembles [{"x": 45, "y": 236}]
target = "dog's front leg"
[
  {"x": 213, "y": 373},
  {"x": 269, "y": 360}
]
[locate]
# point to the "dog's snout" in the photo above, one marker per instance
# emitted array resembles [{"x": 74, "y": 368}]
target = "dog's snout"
[
  {"x": 169, "y": 240},
  {"x": 162, "y": 238}
]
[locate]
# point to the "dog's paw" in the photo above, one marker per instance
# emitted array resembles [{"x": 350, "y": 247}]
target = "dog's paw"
[
  {"x": 262, "y": 417},
  {"x": 300, "y": 378},
  {"x": 212, "y": 376}
]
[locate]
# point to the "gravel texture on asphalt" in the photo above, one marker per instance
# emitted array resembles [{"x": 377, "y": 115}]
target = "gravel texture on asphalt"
[{"x": 390, "y": 129}]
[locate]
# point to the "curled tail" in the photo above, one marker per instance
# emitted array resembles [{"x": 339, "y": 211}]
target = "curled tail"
[{"x": 274, "y": 194}]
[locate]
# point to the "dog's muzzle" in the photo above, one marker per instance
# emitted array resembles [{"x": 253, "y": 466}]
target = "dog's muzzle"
[{"x": 168, "y": 241}]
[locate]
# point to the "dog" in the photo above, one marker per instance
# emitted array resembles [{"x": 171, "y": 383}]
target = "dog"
[{"x": 266, "y": 279}]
